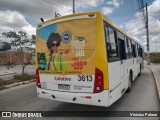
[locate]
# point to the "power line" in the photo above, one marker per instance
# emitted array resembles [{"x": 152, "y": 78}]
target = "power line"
[
  {"x": 124, "y": 13},
  {"x": 132, "y": 4},
  {"x": 137, "y": 21},
  {"x": 142, "y": 10},
  {"x": 57, "y": 5}
]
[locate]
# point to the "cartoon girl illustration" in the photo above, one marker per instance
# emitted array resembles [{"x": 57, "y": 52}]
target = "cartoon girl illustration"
[{"x": 55, "y": 59}]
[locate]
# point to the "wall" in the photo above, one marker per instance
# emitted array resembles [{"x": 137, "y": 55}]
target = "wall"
[{"x": 13, "y": 57}]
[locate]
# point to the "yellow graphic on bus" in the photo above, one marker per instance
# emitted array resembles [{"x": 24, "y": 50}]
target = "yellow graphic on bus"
[{"x": 67, "y": 47}]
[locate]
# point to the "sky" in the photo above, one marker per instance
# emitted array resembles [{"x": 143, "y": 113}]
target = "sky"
[{"x": 25, "y": 15}]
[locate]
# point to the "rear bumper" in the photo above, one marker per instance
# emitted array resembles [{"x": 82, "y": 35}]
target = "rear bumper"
[{"x": 97, "y": 99}]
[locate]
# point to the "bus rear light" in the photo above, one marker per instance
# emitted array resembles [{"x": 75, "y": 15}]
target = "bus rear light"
[
  {"x": 99, "y": 77},
  {"x": 97, "y": 88},
  {"x": 110, "y": 91},
  {"x": 37, "y": 79},
  {"x": 98, "y": 83},
  {"x": 88, "y": 97}
]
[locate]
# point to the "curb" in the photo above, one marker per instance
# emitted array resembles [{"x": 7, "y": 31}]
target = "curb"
[
  {"x": 156, "y": 78},
  {"x": 17, "y": 84},
  {"x": 7, "y": 74}
]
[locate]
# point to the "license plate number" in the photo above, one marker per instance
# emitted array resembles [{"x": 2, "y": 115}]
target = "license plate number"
[{"x": 63, "y": 87}]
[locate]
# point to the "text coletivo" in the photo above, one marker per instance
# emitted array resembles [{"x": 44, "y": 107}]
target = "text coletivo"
[{"x": 62, "y": 78}]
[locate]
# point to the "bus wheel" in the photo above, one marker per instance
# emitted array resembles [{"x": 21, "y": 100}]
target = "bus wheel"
[
  {"x": 139, "y": 71},
  {"x": 129, "y": 83}
]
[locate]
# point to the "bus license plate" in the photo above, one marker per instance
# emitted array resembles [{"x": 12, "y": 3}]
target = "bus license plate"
[{"x": 63, "y": 87}]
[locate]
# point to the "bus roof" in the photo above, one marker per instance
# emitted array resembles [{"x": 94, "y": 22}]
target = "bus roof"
[{"x": 94, "y": 12}]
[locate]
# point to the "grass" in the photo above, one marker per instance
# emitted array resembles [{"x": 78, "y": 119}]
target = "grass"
[
  {"x": 155, "y": 60},
  {"x": 155, "y": 57},
  {"x": 16, "y": 78},
  {"x": 24, "y": 77}
]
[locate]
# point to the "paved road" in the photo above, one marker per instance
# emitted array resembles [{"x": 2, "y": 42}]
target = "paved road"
[
  {"x": 143, "y": 97},
  {"x": 158, "y": 67}
]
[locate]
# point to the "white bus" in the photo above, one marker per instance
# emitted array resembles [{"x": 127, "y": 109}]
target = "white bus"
[{"x": 85, "y": 59}]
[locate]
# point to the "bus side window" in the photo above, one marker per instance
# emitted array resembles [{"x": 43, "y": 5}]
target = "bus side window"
[
  {"x": 130, "y": 48},
  {"x": 126, "y": 48},
  {"x": 137, "y": 50},
  {"x": 129, "y": 53},
  {"x": 112, "y": 46},
  {"x": 122, "y": 46},
  {"x": 107, "y": 39},
  {"x": 140, "y": 51},
  {"x": 139, "y": 54},
  {"x": 133, "y": 49},
  {"x": 107, "y": 34}
]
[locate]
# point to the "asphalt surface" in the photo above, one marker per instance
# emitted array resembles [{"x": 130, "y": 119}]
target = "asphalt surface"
[
  {"x": 143, "y": 97},
  {"x": 158, "y": 68}
]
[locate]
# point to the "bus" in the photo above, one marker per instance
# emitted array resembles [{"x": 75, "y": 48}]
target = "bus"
[{"x": 85, "y": 58}]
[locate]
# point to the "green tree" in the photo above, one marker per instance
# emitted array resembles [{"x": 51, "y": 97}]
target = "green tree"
[
  {"x": 5, "y": 46},
  {"x": 21, "y": 39}
]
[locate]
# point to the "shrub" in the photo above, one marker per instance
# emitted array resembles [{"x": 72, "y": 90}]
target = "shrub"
[
  {"x": 24, "y": 77},
  {"x": 155, "y": 60},
  {"x": 16, "y": 78}
]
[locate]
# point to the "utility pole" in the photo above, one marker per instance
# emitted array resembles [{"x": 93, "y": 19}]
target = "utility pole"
[
  {"x": 55, "y": 14},
  {"x": 73, "y": 7},
  {"x": 147, "y": 32}
]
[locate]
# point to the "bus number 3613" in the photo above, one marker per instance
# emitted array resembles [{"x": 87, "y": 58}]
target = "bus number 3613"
[{"x": 85, "y": 78}]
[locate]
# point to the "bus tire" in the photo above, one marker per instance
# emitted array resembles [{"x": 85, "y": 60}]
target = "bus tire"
[
  {"x": 129, "y": 83},
  {"x": 139, "y": 71}
]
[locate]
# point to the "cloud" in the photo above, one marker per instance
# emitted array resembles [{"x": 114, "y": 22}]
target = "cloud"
[
  {"x": 115, "y": 3},
  {"x": 154, "y": 8},
  {"x": 46, "y": 9},
  {"x": 111, "y": 6},
  {"x": 136, "y": 29},
  {"x": 107, "y": 10},
  {"x": 88, "y": 3},
  {"x": 136, "y": 26},
  {"x": 36, "y": 9},
  {"x": 14, "y": 21},
  {"x": 29, "y": 29}
]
